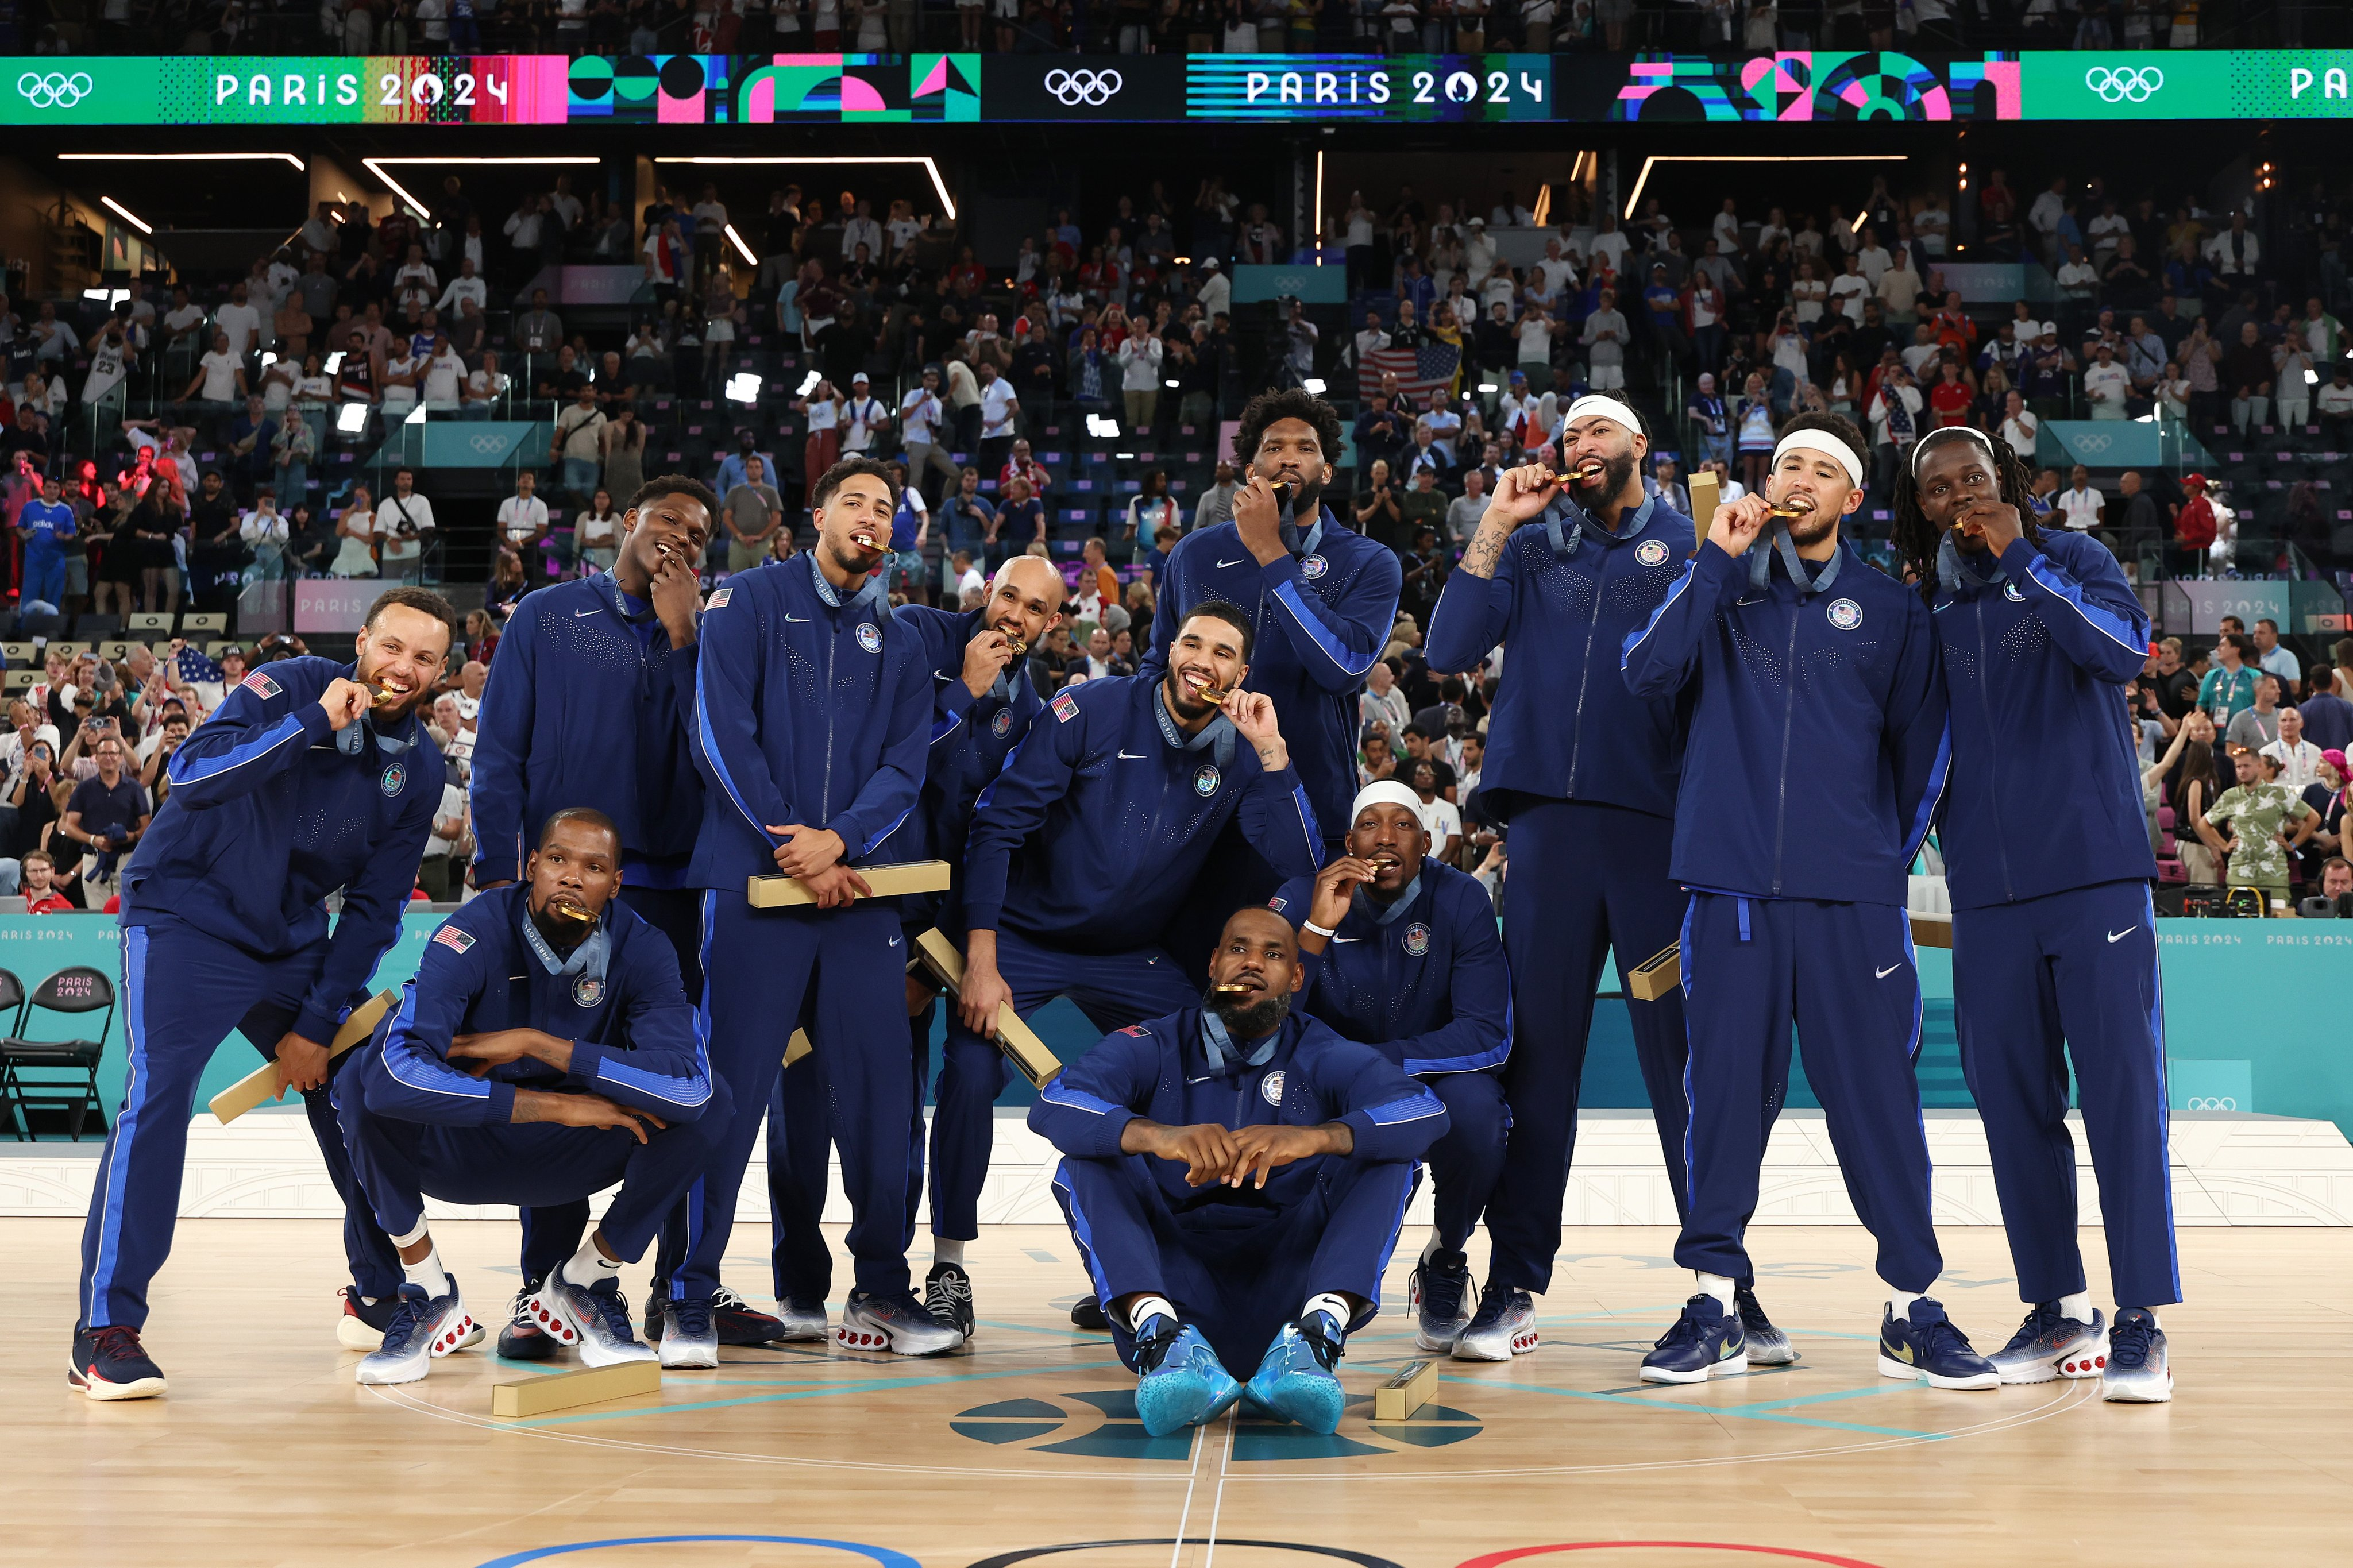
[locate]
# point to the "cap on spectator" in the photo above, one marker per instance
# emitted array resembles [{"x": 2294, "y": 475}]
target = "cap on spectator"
[
  {"x": 1477, "y": 222},
  {"x": 1519, "y": 376},
  {"x": 2193, "y": 482},
  {"x": 1208, "y": 263},
  {"x": 857, "y": 377}
]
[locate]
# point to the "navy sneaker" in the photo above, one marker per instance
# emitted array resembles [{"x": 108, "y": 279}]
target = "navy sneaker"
[
  {"x": 1705, "y": 1342},
  {"x": 1926, "y": 1343},
  {"x": 947, "y": 1296},
  {"x": 1180, "y": 1380},
  {"x": 109, "y": 1363},
  {"x": 1295, "y": 1379},
  {"x": 1438, "y": 1292},
  {"x": 522, "y": 1339},
  {"x": 1504, "y": 1326},
  {"x": 2137, "y": 1371},
  {"x": 739, "y": 1323},
  {"x": 1087, "y": 1316},
  {"x": 593, "y": 1319},
  {"x": 1768, "y": 1346},
  {"x": 362, "y": 1323},
  {"x": 2049, "y": 1345},
  {"x": 899, "y": 1325},
  {"x": 690, "y": 1335}
]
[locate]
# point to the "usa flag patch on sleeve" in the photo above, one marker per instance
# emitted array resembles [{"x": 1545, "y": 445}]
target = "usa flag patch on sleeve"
[
  {"x": 453, "y": 939},
  {"x": 260, "y": 685},
  {"x": 1138, "y": 1030},
  {"x": 1278, "y": 904},
  {"x": 1066, "y": 707},
  {"x": 719, "y": 598}
]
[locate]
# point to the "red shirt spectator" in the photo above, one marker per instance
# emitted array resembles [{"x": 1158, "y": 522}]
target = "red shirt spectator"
[
  {"x": 2193, "y": 526},
  {"x": 1950, "y": 398},
  {"x": 49, "y": 903}
]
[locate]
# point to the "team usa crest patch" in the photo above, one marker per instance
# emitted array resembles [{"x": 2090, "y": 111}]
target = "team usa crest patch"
[
  {"x": 1205, "y": 781},
  {"x": 870, "y": 637},
  {"x": 1269, "y": 1088},
  {"x": 719, "y": 597},
  {"x": 395, "y": 775},
  {"x": 1003, "y": 722},
  {"x": 588, "y": 990},
  {"x": 1652, "y": 553},
  {"x": 260, "y": 685},
  {"x": 1066, "y": 707},
  {"x": 1416, "y": 938},
  {"x": 453, "y": 939},
  {"x": 1313, "y": 566},
  {"x": 1845, "y": 614}
]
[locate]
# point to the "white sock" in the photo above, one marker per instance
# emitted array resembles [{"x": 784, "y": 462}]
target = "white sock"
[
  {"x": 2078, "y": 1306},
  {"x": 1716, "y": 1285},
  {"x": 589, "y": 1267},
  {"x": 1148, "y": 1307},
  {"x": 413, "y": 1238},
  {"x": 1899, "y": 1302},
  {"x": 947, "y": 1249},
  {"x": 1431, "y": 1248},
  {"x": 428, "y": 1271},
  {"x": 1332, "y": 1306}
]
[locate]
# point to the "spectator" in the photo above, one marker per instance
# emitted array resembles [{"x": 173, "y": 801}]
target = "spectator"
[
  {"x": 755, "y": 516},
  {"x": 1462, "y": 514},
  {"x": 597, "y": 534},
  {"x": 2299, "y": 760},
  {"x": 2258, "y": 812},
  {"x": 1139, "y": 379},
  {"x": 1439, "y": 818},
  {"x": 1216, "y": 503},
  {"x": 2255, "y": 726},
  {"x": 106, "y": 814},
  {"x": 402, "y": 522},
  {"x": 2275, "y": 658},
  {"x": 2079, "y": 505},
  {"x": 2229, "y": 689},
  {"x": 578, "y": 443},
  {"x": 41, "y": 894},
  {"x": 522, "y": 525}
]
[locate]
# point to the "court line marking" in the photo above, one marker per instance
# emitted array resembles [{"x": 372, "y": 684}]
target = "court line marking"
[
  {"x": 1185, "y": 1514},
  {"x": 1225, "y": 1461}
]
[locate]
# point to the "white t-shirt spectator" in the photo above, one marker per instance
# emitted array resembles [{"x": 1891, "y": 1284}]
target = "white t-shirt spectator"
[
  {"x": 862, "y": 419},
  {"x": 453, "y": 803},
  {"x": 997, "y": 401},
  {"x": 220, "y": 376},
  {"x": 2299, "y": 764},
  {"x": 2105, "y": 387},
  {"x": 2021, "y": 433},
  {"x": 1847, "y": 292},
  {"x": 519, "y": 517},
  {"x": 2080, "y": 509},
  {"x": 2333, "y": 400},
  {"x": 919, "y": 417},
  {"x": 1440, "y": 821},
  {"x": 397, "y": 546},
  {"x": 445, "y": 377},
  {"x": 243, "y": 325}
]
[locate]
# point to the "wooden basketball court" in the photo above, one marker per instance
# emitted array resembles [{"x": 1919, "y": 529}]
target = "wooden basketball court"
[{"x": 1026, "y": 1449}]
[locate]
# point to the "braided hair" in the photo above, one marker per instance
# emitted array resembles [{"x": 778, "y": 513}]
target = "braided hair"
[{"x": 1916, "y": 540}]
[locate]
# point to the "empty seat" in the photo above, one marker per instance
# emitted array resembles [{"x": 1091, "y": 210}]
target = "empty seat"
[{"x": 70, "y": 1067}]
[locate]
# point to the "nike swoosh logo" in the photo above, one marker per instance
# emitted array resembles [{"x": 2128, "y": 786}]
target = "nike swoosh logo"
[
  {"x": 1235, "y": 562},
  {"x": 937, "y": 676},
  {"x": 578, "y": 613},
  {"x": 1132, "y": 756},
  {"x": 1902, "y": 1354},
  {"x": 1348, "y": 938},
  {"x": 1886, "y": 972},
  {"x": 2120, "y": 935},
  {"x": 1758, "y": 600},
  {"x": 797, "y": 620},
  {"x": 894, "y": 942}
]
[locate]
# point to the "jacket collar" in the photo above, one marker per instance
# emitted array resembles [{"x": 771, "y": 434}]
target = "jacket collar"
[
  {"x": 1216, "y": 737},
  {"x": 874, "y": 598},
  {"x": 1760, "y": 566},
  {"x": 1566, "y": 524}
]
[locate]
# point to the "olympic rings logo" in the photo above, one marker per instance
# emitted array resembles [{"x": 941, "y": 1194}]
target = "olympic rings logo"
[
  {"x": 2211, "y": 1102},
  {"x": 1093, "y": 89},
  {"x": 56, "y": 90},
  {"x": 2124, "y": 84}
]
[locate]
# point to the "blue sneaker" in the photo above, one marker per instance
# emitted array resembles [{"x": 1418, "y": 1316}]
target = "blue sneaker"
[
  {"x": 1180, "y": 1380},
  {"x": 1705, "y": 1342},
  {"x": 1926, "y": 1343},
  {"x": 110, "y": 1363},
  {"x": 2050, "y": 1345},
  {"x": 362, "y": 1323},
  {"x": 2137, "y": 1371},
  {"x": 592, "y": 1319},
  {"x": 1295, "y": 1380}
]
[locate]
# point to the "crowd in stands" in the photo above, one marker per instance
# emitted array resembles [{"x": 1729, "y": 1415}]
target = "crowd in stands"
[{"x": 1138, "y": 27}]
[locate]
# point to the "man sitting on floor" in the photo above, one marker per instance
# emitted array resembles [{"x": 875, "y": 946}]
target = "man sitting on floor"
[
  {"x": 543, "y": 1002},
  {"x": 1298, "y": 1150}
]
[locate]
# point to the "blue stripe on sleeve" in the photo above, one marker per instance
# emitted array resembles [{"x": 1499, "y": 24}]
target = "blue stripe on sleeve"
[
  {"x": 678, "y": 1091},
  {"x": 1286, "y": 593},
  {"x": 1061, "y": 1094},
  {"x": 186, "y": 769},
  {"x": 2097, "y": 617},
  {"x": 1626, "y": 653},
  {"x": 718, "y": 763},
  {"x": 440, "y": 1077},
  {"x": 1413, "y": 1108},
  {"x": 1939, "y": 772}
]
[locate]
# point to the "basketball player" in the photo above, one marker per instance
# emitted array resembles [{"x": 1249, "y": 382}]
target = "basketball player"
[
  {"x": 590, "y": 704},
  {"x": 1400, "y": 954},
  {"x": 1124, "y": 785},
  {"x": 1585, "y": 773},
  {"x": 1320, "y": 599},
  {"x": 544, "y": 1051},
  {"x": 1816, "y": 758},
  {"x": 310, "y": 776},
  {"x": 2055, "y": 934},
  {"x": 982, "y": 702},
  {"x": 1234, "y": 1175},
  {"x": 810, "y": 723}
]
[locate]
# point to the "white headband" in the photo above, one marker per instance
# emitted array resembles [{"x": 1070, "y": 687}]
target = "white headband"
[
  {"x": 1384, "y": 791},
  {"x": 1828, "y": 445},
  {"x": 1594, "y": 403},
  {"x": 1970, "y": 431}
]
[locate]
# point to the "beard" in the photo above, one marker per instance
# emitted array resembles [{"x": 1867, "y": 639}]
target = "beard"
[
  {"x": 1813, "y": 528},
  {"x": 1252, "y": 1020},
  {"x": 1616, "y": 474},
  {"x": 1181, "y": 701}
]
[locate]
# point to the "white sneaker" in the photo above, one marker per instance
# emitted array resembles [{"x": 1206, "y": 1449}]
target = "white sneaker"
[
  {"x": 802, "y": 1320},
  {"x": 594, "y": 1321},
  {"x": 423, "y": 1327},
  {"x": 690, "y": 1336},
  {"x": 1503, "y": 1327},
  {"x": 899, "y": 1325}
]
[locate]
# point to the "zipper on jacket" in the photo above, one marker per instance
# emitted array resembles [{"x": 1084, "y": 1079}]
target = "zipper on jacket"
[
  {"x": 1985, "y": 702},
  {"x": 825, "y": 794},
  {"x": 1788, "y": 719},
  {"x": 1584, "y": 675}
]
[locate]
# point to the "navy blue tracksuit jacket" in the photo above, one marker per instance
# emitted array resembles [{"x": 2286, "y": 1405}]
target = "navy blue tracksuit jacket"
[
  {"x": 1107, "y": 793},
  {"x": 970, "y": 737},
  {"x": 1237, "y": 1262},
  {"x": 1424, "y": 982},
  {"x": 225, "y": 927},
  {"x": 1817, "y": 753},
  {"x": 418, "y": 1123},
  {"x": 587, "y": 704},
  {"x": 2054, "y": 939},
  {"x": 1319, "y": 618}
]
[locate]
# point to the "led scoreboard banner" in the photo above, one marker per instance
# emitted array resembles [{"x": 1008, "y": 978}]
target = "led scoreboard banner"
[{"x": 1800, "y": 85}]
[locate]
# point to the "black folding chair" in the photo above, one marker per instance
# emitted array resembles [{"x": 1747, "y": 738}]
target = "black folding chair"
[{"x": 74, "y": 990}]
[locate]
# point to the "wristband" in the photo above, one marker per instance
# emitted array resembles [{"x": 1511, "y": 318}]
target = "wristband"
[{"x": 1317, "y": 929}]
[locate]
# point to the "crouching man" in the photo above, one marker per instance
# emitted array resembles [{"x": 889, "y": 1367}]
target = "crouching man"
[
  {"x": 1235, "y": 1176},
  {"x": 544, "y": 1051}
]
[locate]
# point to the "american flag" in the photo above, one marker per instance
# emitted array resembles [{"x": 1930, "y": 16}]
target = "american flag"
[
  {"x": 1420, "y": 371},
  {"x": 195, "y": 667}
]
